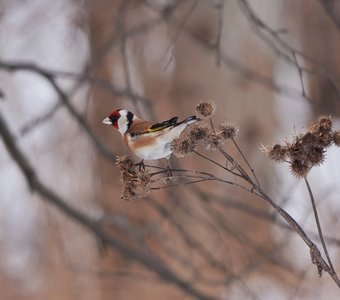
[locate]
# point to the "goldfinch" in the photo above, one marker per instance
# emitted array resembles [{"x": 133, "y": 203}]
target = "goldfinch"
[{"x": 147, "y": 140}]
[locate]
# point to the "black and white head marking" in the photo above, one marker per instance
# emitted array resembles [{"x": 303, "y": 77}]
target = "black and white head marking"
[{"x": 125, "y": 120}]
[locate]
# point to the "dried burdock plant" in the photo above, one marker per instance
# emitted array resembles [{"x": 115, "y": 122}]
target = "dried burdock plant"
[
  {"x": 227, "y": 130},
  {"x": 203, "y": 134},
  {"x": 302, "y": 153},
  {"x": 214, "y": 141},
  {"x": 135, "y": 179},
  {"x": 306, "y": 150},
  {"x": 276, "y": 152},
  {"x": 206, "y": 109},
  {"x": 183, "y": 146},
  {"x": 199, "y": 131},
  {"x": 336, "y": 138}
]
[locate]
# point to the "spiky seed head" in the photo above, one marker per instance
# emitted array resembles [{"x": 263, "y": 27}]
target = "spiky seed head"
[
  {"x": 183, "y": 146},
  {"x": 316, "y": 155},
  {"x": 276, "y": 152},
  {"x": 325, "y": 139},
  {"x": 308, "y": 150},
  {"x": 128, "y": 193},
  {"x": 299, "y": 168},
  {"x": 136, "y": 181},
  {"x": 227, "y": 130},
  {"x": 325, "y": 123},
  {"x": 295, "y": 150},
  {"x": 133, "y": 191},
  {"x": 309, "y": 139},
  {"x": 206, "y": 109},
  {"x": 214, "y": 141},
  {"x": 199, "y": 131},
  {"x": 336, "y": 138},
  {"x": 125, "y": 163}
]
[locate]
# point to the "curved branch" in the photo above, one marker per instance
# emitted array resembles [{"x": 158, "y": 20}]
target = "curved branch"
[
  {"x": 92, "y": 225},
  {"x": 63, "y": 98}
]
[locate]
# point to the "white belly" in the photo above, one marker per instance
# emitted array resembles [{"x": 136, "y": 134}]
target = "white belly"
[
  {"x": 161, "y": 147},
  {"x": 150, "y": 153}
]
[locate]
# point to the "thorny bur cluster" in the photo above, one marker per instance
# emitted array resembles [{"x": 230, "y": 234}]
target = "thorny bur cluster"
[
  {"x": 202, "y": 133},
  {"x": 306, "y": 150},
  {"x": 136, "y": 180}
]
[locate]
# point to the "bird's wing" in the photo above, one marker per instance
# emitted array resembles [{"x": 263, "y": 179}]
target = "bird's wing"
[
  {"x": 162, "y": 125},
  {"x": 139, "y": 127},
  {"x": 143, "y": 127}
]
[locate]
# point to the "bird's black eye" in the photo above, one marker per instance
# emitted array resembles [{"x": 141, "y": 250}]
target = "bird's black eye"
[{"x": 114, "y": 119}]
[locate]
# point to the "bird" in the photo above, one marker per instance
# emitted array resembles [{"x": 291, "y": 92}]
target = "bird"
[{"x": 147, "y": 140}]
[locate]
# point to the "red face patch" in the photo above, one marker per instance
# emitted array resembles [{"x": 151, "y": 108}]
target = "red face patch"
[
  {"x": 115, "y": 113},
  {"x": 114, "y": 116}
]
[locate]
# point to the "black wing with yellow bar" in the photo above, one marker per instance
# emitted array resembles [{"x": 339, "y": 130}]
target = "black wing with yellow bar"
[{"x": 162, "y": 125}]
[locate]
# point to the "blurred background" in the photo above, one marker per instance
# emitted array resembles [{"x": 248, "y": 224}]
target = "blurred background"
[{"x": 271, "y": 67}]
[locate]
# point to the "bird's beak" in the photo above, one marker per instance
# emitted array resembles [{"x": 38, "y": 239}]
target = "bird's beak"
[{"x": 107, "y": 121}]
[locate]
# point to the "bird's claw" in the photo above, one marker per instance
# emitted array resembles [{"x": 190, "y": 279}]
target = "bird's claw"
[
  {"x": 141, "y": 165},
  {"x": 168, "y": 172}
]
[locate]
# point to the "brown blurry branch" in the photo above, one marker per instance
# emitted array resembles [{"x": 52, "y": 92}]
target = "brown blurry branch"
[
  {"x": 94, "y": 226},
  {"x": 273, "y": 38},
  {"x": 332, "y": 8},
  {"x": 119, "y": 38},
  {"x": 115, "y": 41},
  {"x": 238, "y": 66},
  {"x": 64, "y": 100},
  {"x": 80, "y": 78}
]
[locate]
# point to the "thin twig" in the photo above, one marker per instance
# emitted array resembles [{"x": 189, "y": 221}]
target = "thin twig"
[
  {"x": 244, "y": 175},
  {"x": 220, "y": 8},
  {"x": 318, "y": 223},
  {"x": 217, "y": 164},
  {"x": 246, "y": 161},
  {"x": 212, "y": 125},
  {"x": 63, "y": 98},
  {"x": 178, "y": 32},
  {"x": 180, "y": 184},
  {"x": 300, "y": 74}
]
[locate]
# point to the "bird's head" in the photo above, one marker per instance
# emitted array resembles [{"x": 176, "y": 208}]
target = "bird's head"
[{"x": 120, "y": 119}]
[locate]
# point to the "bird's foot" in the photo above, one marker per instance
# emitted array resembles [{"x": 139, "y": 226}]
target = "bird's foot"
[
  {"x": 141, "y": 165},
  {"x": 168, "y": 172}
]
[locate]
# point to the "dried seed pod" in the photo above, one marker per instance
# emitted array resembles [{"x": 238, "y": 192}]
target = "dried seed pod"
[
  {"x": 199, "y": 131},
  {"x": 296, "y": 150},
  {"x": 277, "y": 152},
  {"x": 206, "y": 109},
  {"x": 125, "y": 163},
  {"x": 136, "y": 181},
  {"x": 214, "y": 141},
  {"x": 336, "y": 138},
  {"x": 325, "y": 124},
  {"x": 227, "y": 130},
  {"x": 299, "y": 168},
  {"x": 316, "y": 155},
  {"x": 183, "y": 146}
]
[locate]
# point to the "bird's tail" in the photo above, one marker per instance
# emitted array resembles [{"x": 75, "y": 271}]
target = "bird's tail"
[
  {"x": 176, "y": 130},
  {"x": 189, "y": 120}
]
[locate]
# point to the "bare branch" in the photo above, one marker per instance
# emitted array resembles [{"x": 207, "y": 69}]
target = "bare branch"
[
  {"x": 318, "y": 224},
  {"x": 332, "y": 8},
  {"x": 158, "y": 267},
  {"x": 50, "y": 77}
]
